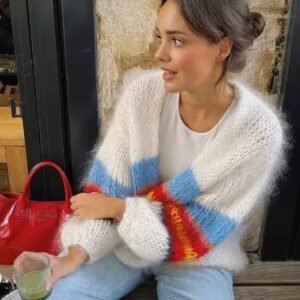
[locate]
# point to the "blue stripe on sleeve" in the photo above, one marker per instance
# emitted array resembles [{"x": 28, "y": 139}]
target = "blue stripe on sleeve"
[
  {"x": 184, "y": 187},
  {"x": 215, "y": 225},
  {"x": 99, "y": 175},
  {"x": 145, "y": 173}
]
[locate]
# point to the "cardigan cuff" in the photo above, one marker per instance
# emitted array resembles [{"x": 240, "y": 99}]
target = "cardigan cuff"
[
  {"x": 97, "y": 237},
  {"x": 143, "y": 231}
]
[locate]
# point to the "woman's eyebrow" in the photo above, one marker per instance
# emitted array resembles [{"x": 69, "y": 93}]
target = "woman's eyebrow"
[{"x": 169, "y": 32}]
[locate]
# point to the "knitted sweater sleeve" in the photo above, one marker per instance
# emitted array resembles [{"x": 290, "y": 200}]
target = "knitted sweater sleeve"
[
  {"x": 183, "y": 219},
  {"x": 100, "y": 237}
]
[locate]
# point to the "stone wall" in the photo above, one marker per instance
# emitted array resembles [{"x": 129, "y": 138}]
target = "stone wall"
[{"x": 125, "y": 44}]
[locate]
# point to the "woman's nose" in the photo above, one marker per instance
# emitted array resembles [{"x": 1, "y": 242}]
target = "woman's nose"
[{"x": 161, "y": 53}]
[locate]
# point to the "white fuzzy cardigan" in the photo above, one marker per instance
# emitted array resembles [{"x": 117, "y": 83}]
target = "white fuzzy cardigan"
[{"x": 196, "y": 217}]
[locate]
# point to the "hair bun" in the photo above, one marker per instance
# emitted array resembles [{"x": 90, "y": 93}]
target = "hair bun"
[{"x": 258, "y": 23}]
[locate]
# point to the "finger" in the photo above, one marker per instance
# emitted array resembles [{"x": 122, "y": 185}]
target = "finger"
[
  {"x": 75, "y": 205},
  {"x": 73, "y": 199}
]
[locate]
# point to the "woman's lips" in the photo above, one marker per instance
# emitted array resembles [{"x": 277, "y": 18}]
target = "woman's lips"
[{"x": 168, "y": 75}]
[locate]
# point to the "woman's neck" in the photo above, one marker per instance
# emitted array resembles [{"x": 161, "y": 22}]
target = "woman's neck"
[
  {"x": 207, "y": 97},
  {"x": 202, "y": 109}
]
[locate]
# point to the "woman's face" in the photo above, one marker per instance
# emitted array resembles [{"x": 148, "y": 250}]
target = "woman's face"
[{"x": 189, "y": 61}]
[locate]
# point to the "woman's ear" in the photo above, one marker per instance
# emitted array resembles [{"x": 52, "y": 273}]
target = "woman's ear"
[{"x": 225, "y": 46}]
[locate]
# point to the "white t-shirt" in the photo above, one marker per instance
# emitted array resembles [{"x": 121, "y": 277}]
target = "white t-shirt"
[{"x": 178, "y": 144}]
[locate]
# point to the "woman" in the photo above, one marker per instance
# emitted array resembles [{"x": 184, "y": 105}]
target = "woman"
[{"x": 188, "y": 156}]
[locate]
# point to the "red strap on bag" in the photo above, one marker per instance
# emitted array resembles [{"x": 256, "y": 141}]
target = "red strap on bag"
[
  {"x": 27, "y": 225},
  {"x": 24, "y": 197}
]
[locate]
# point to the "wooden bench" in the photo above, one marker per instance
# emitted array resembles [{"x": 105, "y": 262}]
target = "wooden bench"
[
  {"x": 260, "y": 281},
  {"x": 12, "y": 149}
]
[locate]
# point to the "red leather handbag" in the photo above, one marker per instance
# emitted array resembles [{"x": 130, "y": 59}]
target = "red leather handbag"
[{"x": 27, "y": 225}]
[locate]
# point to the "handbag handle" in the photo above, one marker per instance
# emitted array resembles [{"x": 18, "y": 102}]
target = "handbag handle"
[{"x": 67, "y": 187}]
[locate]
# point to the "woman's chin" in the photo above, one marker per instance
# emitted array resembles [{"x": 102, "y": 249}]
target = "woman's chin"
[{"x": 171, "y": 88}]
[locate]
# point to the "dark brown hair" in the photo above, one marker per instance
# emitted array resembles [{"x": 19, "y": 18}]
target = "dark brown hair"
[{"x": 216, "y": 19}]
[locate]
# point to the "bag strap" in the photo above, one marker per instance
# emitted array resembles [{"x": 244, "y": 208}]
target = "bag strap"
[{"x": 24, "y": 197}]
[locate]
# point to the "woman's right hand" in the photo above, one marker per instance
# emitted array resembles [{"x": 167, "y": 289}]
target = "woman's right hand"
[{"x": 65, "y": 265}]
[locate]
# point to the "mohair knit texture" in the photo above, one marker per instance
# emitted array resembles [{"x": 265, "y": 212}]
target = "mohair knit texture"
[{"x": 198, "y": 216}]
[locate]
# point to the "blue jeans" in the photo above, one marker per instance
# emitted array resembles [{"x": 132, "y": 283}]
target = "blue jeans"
[{"x": 110, "y": 279}]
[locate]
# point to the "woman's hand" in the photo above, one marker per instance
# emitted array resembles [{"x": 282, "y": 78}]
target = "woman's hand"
[
  {"x": 65, "y": 265},
  {"x": 97, "y": 206}
]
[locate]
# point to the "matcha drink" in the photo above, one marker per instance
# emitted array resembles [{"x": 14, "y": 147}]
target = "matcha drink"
[
  {"x": 32, "y": 286},
  {"x": 32, "y": 271}
]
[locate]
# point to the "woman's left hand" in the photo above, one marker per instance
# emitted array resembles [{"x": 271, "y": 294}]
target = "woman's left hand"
[{"x": 97, "y": 206}]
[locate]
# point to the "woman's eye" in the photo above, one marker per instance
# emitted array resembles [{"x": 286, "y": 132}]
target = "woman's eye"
[
  {"x": 178, "y": 42},
  {"x": 158, "y": 37}
]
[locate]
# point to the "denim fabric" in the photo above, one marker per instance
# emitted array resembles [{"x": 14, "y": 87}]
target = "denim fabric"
[{"x": 110, "y": 279}]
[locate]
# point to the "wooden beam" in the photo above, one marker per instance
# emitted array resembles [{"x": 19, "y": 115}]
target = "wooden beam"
[
  {"x": 11, "y": 129},
  {"x": 267, "y": 292},
  {"x": 285, "y": 273},
  {"x": 17, "y": 168},
  {"x": 6, "y": 271},
  {"x": 2, "y": 155}
]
